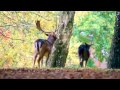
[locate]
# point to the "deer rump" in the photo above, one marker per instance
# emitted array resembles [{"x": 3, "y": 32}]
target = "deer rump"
[
  {"x": 84, "y": 54},
  {"x": 40, "y": 49},
  {"x": 40, "y": 44}
]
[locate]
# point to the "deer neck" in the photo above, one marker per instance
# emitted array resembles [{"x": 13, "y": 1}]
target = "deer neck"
[{"x": 51, "y": 40}]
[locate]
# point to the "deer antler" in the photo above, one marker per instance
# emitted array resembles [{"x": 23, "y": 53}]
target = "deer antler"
[
  {"x": 40, "y": 29},
  {"x": 38, "y": 26}
]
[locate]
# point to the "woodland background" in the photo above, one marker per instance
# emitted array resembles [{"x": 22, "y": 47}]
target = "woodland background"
[{"x": 18, "y": 33}]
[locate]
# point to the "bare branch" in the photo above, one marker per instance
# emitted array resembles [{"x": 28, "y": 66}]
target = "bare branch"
[
  {"x": 7, "y": 16},
  {"x": 8, "y": 25},
  {"x": 41, "y": 16}
]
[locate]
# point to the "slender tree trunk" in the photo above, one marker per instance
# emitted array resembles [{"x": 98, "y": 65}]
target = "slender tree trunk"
[
  {"x": 114, "y": 58},
  {"x": 60, "y": 49}
]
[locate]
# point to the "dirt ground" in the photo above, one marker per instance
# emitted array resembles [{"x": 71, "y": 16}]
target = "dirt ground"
[{"x": 24, "y": 73}]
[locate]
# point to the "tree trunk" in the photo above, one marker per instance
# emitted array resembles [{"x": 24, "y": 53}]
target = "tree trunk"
[
  {"x": 60, "y": 49},
  {"x": 114, "y": 58}
]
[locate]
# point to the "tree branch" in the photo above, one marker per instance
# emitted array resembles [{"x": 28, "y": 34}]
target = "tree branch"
[
  {"x": 9, "y": 37},
  {"x": 41, "y": 16}
]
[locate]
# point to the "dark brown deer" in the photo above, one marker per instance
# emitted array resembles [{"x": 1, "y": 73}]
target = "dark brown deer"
[
  {"x": 43, "y": 47},
  {"x": 84, "y": 54}
]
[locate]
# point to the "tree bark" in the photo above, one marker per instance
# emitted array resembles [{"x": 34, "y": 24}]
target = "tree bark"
[
  {"x": 114, "y": 58},
  {"x": 60, "y": 48}
]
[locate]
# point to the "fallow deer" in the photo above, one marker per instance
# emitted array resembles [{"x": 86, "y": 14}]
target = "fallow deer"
[{"x": 43, "y": 47}]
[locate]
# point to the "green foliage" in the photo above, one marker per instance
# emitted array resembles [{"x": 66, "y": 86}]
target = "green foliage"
[
  {"x": 90, "y": 63},
  {"x": 95, "y": 27}
]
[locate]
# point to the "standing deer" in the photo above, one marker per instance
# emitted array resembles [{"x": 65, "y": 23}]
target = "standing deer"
[
  {"x": 84, "y": 54},
  {"x": 43, "y": 47}
]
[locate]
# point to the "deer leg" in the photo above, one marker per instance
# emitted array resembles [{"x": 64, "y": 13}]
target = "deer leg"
[
  {"x": 81, "y": 63},
  {"x": 40, "y": 58},
  {"x": 80, "y": 59},
  {"x": 39, "y": 61},
  {"x": 47, "y": 59},
  {"x": 35, "y": 57},
  {"x": 84, "y": 63},
  {"x": 42, "y": 62}
]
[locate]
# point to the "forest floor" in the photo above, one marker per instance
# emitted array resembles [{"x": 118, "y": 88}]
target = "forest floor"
[{"x": 65, "y": 73}]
